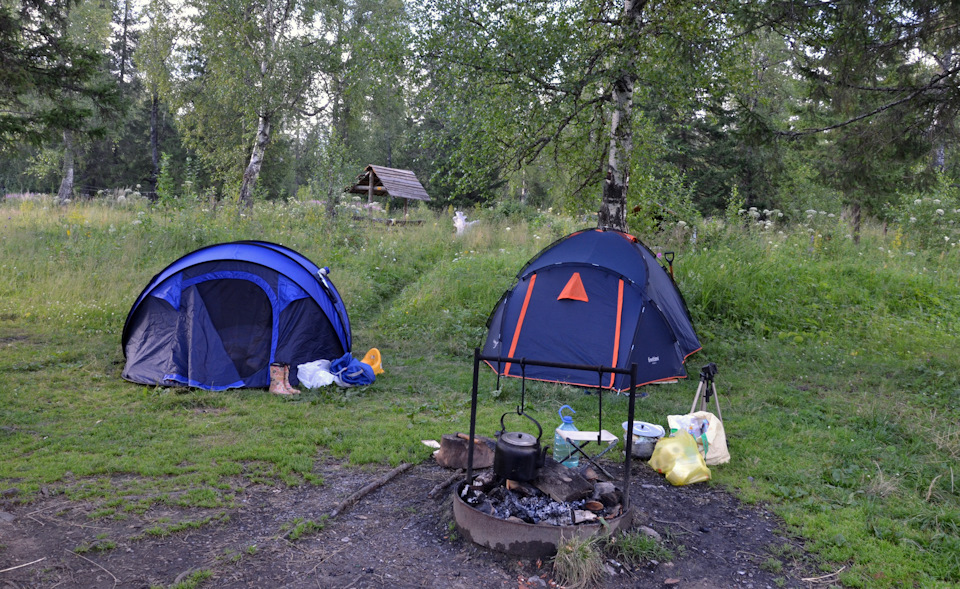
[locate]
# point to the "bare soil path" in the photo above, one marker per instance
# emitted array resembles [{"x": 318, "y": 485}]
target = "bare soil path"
[{"x": 394, "y": 537}]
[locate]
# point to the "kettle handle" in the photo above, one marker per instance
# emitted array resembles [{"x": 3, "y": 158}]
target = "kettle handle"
[{"x": 503, "y": 428}]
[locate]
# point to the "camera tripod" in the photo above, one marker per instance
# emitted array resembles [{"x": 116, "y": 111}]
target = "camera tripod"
[{"x": 708, "y": 388}]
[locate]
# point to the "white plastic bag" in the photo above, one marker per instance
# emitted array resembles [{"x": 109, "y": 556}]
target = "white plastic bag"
[
  {"x": 708, "y": 430},
  {"x": 316, "y": 374},
  {"x": 716, "y": 438}
]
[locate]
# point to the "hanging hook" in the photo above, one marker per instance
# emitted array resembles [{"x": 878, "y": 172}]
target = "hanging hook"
[
  {"x": 600, "y": 401},
  {"x": 523, "y": 386}
]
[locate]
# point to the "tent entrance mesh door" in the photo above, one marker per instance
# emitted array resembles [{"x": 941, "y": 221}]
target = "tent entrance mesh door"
[{"x": 243, "y": 317}]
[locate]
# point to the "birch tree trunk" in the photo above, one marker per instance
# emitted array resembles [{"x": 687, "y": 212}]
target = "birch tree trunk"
[
  {"x": 66, "y": 184},
  {"x": 252, "y": 172},
  {"x": 613, "y": 207}
]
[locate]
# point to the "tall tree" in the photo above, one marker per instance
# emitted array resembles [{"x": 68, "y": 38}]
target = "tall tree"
[
  {"x": 536, "y": 74},
  {"x": 881, "y": 90},
  {"x": 363, "y": 82},
  {"x": 125, "y": 38},
  {"x": 50, "y": 79},
  {"x": 87, "y": 24},
  {"x": 259, "y": 60},
  {"x": 154, "y": 57}
]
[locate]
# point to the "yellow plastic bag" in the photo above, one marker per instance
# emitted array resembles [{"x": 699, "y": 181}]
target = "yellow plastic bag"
[{"x": 679, "y": 458}]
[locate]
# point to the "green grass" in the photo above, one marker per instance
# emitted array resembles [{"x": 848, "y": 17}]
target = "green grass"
[
  {"x": 839, "y": 371},
  {"x": 162, "y": 531},
  {"x": 578, "y": 563},
  {"x": 193, "y": 580},
  {"x": 636, "y": 548},
  {"x": 300, "y": 528}
]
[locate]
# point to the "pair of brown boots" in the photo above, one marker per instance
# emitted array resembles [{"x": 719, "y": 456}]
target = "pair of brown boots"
[{"x": 280, "y": 380}]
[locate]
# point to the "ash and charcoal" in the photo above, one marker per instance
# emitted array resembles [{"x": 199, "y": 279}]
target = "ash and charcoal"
[{"x": 534, "y": 507}]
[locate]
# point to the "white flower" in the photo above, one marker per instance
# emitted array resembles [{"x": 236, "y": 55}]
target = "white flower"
[
  {"x": 918, "y": 201},
  {"x": 831, "y": 215},
  {"x": 681, "y": 223},
  {"x": 945, "y": 238},
  {"x": 137, "y": 222},
  {"x": 940, "y": 212},
  {"x": 936, "y": 201},
  {"x": 913, "y": 219}
]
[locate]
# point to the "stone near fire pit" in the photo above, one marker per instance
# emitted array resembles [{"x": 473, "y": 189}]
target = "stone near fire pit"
[
  {"x": 607, "y": 493},
  {"x": 454, "y": 447}
]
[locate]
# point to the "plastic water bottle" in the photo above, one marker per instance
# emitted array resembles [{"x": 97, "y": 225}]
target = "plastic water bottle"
[{"x": 561, "y": 447}]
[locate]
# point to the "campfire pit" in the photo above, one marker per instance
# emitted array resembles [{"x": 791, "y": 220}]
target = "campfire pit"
[
  {"x": 533, "y": 525},
  {"x": 533, "y": 518}
]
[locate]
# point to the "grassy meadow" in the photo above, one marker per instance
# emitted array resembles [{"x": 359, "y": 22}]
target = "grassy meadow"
[{"x": 839, "y": 367}]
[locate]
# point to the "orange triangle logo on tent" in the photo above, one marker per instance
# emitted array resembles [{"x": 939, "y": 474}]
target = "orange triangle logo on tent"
[{"x": 574, "y": 290}]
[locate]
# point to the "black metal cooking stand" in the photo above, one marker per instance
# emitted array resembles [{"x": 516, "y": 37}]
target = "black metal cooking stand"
[{"x": 524, "y": 362}]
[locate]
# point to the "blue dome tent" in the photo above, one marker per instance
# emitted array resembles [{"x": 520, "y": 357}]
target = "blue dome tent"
[
  {"x": 219, "y": 316},
  {"x": 594, "y": 298}
]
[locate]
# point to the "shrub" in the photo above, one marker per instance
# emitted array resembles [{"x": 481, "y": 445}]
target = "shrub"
[{"x": 930, "y": 219}]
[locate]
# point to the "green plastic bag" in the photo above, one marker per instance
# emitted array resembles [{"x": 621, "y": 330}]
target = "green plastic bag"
[{"x": 678, "y": 457}]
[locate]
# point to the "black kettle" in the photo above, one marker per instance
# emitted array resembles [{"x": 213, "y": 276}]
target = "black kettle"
[{"x": 518, "y": 455}]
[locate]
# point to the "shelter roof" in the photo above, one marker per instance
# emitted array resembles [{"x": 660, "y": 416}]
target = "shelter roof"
[{"x": 390, "y": 182}]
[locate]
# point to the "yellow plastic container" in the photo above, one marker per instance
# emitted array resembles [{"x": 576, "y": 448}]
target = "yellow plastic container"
[{"x": 373, "y": 359}]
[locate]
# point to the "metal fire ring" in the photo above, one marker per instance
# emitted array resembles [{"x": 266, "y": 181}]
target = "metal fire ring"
[{"x": 521, "y": 538}]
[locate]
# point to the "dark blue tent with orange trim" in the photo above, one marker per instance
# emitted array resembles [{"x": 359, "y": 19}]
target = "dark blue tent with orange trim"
[
  {"x": 597, "y": 298},
  {"x": 219, "y": 316}
]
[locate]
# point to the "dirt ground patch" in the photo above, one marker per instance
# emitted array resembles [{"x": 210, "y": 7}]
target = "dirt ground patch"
[{"x": 396, "y": 536}]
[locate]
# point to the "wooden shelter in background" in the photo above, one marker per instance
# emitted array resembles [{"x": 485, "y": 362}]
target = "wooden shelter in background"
[{"x": 388, "y": 182}]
